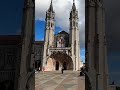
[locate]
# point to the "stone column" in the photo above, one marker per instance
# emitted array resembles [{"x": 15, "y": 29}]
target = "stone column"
[
  {"x": 27, "y": 41},
  {"x": 102, "y": 79},
  {"x": 90, "y": 35}
]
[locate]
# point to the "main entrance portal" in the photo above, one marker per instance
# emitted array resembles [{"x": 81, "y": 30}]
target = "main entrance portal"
[{"x": 58, "y": 60}]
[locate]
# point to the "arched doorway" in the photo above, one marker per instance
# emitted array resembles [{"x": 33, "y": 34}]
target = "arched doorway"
[
  {"x": 65, "y": 66},
  {"x": 57, "y": 65},
  {"x": 57, "y": 60},
  {"x": 39, "y": 64}
]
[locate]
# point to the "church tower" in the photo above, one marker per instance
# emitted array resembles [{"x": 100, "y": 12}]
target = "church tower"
[
  {"x": 49, "y": 32},
  {"x": 74, "y": 36},
  {"x": 96, "y": 61}
]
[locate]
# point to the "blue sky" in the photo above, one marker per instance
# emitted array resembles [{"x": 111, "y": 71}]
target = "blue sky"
[{"x": 10, "y": 16}]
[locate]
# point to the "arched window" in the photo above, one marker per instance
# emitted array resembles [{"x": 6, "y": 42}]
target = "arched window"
[
  {"x": 51, "y": 25},
  {"x": 73, "y": 23}
]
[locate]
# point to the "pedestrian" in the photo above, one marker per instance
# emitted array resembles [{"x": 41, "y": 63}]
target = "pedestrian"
[
  {"x": 39, "y": 68},
  {"x": 62, "y": 70}
]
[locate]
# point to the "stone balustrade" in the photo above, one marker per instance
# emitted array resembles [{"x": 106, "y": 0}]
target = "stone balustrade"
[{"x": 7, "y": 75}]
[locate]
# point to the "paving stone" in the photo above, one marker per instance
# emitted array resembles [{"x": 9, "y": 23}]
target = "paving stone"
[{"x": 70, "y": 80}]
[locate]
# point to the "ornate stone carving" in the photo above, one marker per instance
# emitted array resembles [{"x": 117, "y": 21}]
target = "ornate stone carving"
[{"x": 92, "y": 2}]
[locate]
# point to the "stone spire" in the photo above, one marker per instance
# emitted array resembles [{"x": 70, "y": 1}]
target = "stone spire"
[
  {"x": 51, "y": 7},
  {"x": 74, "y": 7},
  {"x": 74, "y": 12},
  {"x": 49, "y": 33},
  {"x": 74, "y": 36}
]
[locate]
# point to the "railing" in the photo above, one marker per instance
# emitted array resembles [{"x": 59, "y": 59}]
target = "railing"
[
  {"x": 60, "y": 48},
  {"x": 7, "y": 75},
  {"x": 66, "y": 50}
]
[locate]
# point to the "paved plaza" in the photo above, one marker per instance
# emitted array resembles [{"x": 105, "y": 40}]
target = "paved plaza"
[{"x": 69, "y": 80}]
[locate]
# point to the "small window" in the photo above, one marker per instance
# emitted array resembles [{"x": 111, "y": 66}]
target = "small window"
[
  {"x": 48, "y": 23},
  {"x": 77, "y": 23},
  {"x": 74, "y": 23},
  {"x": 51, "y": 24}
]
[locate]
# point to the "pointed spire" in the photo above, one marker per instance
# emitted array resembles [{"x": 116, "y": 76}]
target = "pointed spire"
[
  {"x": 74, "y": 7},
  {"x": 51, "y": 7},
  {"x": 73, "y": 1}
]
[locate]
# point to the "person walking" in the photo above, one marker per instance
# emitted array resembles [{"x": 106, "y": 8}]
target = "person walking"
[
  {"x": 62, "y": 70},
  {"x": 39, "y": 69}
]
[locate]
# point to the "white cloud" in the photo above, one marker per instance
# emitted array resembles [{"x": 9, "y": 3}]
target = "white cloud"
[{"x": 62, "y": 10}]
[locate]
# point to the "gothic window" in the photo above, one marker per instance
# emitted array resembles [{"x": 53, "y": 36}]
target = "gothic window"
[
  {"x": 38, "y": 51},
  {"x": 51, "y": 24},
  {"x": 10, "y": 59},
  {"x": 35, "y": 51},
  {"x": 75, "y": 47},
  {"x": 48, "y": 24},
  {"x": 10, "y": 56},
  {"x": 76, "y": 23},
  {"x": 92, "y": 2},
  {"x": 75, "y": 15}
]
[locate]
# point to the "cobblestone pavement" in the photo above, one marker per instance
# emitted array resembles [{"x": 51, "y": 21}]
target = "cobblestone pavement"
[{"x": 69, "y": 80}]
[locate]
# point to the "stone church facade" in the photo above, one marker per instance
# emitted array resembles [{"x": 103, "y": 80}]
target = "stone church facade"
[{"x": 63, "y": 49}]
